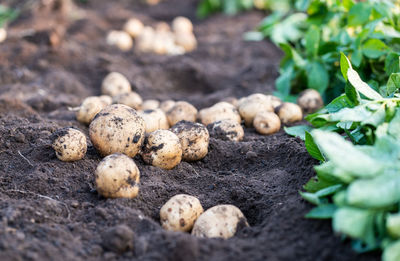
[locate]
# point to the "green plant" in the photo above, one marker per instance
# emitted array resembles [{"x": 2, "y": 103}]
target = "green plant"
[
  {"x": 357, "y": 140},
  {"x": 7, "y": 15},
  {"x": 230, "y": 7}
]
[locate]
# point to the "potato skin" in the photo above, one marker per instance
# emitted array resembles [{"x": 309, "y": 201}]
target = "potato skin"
[
  {"x": 131, "y": 99},
  {"x": 89, "y": 108},
  {"x": 121, "y": 39},
  {"x": 310, "y": 101},
  {"x": 163, "y": 149},
  {"x": 267, "y": 123},
  {"x": 226, "y": 130},
  {"x": 180, "y": 212},
  {"x": 219, "y": 221},
  {"x": 165, "y": 106},
  {"x": 182, "y": 111},
  {"x": 150, "y": 105},
  {"x": 69, "y": 144},
  {"x": 194, "y": 138},
  {"x": 218, "y": 112},
  {"x": 182, "y": 25},
  {"x": 117, "y": 176},
  {"x": 249, "y": 107},
  {"x": 115, "y": 83},
  {"x": 134, "y": 27},
  {"x": 154, "y": 120},
  {"x": 289, "y": 112},
  {"x": 117, "y": 129}
]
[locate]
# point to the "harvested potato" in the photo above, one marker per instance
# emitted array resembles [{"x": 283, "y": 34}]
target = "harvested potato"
[
  {"x": 145, "y": 39},
  {"x": 163, "y": 27},
  {"x": 154, "y": 120},
  {"x": 220, "y": 221},
  {"x": 160, "y": 43},
  {"x": 131, "y": 99},
  {"x": 150, "y": 105},
  {"x": 117, "y": 176},
  {"x": 120, "y": 39},
  {"x": 134, "y": 27},
  {"x": 162, "y": 149},
  {"x": 182, "y": 25},
  {"x": 114, "y": 84},
  {"x": 165, "y": 106},
  {"x": 250, "y": 106},
  {"x": 153, "y": 2},
  {"x": 180, "y": 212},
  {"x": 186, "y": 40},
  {"x": 289, "y": 112},
  {"x": 275, "y": 101},
  {"x": 108, "y": 100},
  {"x": 194, "y": 138},
  {"x": 267, "y": 123},
  {"x": 231, "y": 100},
  {"x": 182, "y": 111},
  {"x": 69, "y": 144},
  {"x": 226, "y": 130},
  {"x": 218, "y": 112},
  {"x": 89, "y": 108},
  {"x": 117, "y": 129},
  {"x": 310, "y": 101},
  {"x": 3, "y": 34}
]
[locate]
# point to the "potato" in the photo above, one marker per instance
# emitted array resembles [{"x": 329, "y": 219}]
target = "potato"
[
  {"x": 150, "y": 105},
  {"x": 289, "y": 112},
  {"x": 180, "y": 212},
  {"x": 3, "y": 34},
  {"x": 154, "y": 120},
  {"x": 173, "y": 49},
  {"x": 182, "y": 25},
  {"x": 145, "y": 39},
  {"x": 152, "y": 2},
  {"x": 226, "y": 130},
  {"x": 69, "y": 144},
  {"x": 165, "y": 106},
  {"x": 108, "y": 100},
  {"x": 182, "y": 111},
  {"x": 120, "y": 39},
  {"x": 218, "y": 112},
  {"x": 310, "y": 101},
  {"x": 186, "y": 40},
  {"x": 275, "y": 101},
  {"x": 117, "y": 129},
  {"x": 117, "y": 176},
  {"x": 131, "y": 99},
  {"x": 219, "y": 221},
  {"x": 267, "y": 123},
  {"x": 162, "y": 149},
  {"x": 114, "y": 84},
  {"x": 250, "y": 106},
  {"x": 194, "y": 138},
  {"x": 134, "y": 27},
  {"x": 89, "y": 108},
  {"x": 231, "y": 100},
  {"x": 163, "y": 27}
]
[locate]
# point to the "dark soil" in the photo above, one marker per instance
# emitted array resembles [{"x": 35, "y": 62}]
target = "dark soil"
[{"x": 49, "y": 209}]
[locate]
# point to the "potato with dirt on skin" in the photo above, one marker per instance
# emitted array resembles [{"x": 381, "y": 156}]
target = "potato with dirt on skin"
[
  {"x": 120, "y": 39},
  {"x": 165, "y": 106},
  {"x": 253, "y": 104},
  {"x": 114, "y": 84},
  {"x": 220, "y": 221},
  {"x": 117, "y": 176},
  {"x": 310, "y": 101},
  {"x": 194, "y": 139},
  {"x": 180, "y": 212},
  {"x": 267, "y": 123},
  {"x": 226, "y": 130},
  {"x": 134, "y": 27},
  {"x": 154, "y": 120},
  {"x": 289, "y": 112},
  {"x": 89, "y": 108},
  {"x": 218, "y": 112},
  {"x": 69, "y": 144},
  {"x": 131, "y": 99},
  {"x": 182, "y": 24},
  {"x": 117, "y": 129},
  {"x": 182, "y": 111},
  {"x": 162, "y": 148},
  {"x": 150, "y": 105}
]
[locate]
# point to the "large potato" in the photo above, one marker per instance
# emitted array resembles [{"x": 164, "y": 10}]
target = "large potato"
[
  {"x": 219, "y": 221},
  {"x": 226, "y": 130},
  {"x": 218, "y": 112},
  {"x": 117, "y": 176},
  {"x": 69, "y": 144},
  {"x": 182, "y": 25},
  {"x": 117, "y": 128},
  {"x": 180, "y": 213}
]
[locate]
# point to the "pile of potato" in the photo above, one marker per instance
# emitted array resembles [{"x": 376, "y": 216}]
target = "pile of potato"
[{"x": 160, "y": 40}]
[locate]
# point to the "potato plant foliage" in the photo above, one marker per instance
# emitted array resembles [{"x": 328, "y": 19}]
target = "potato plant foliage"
[{"x": 357, "y": 140}]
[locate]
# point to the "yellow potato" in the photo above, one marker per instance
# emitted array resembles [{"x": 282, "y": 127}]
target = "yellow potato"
[
  {"x": 310, "y": 101},
  {"x": 218, "y": 112},
  {"x": 154, "y": 120},
  {"x": 89, "y": 108},
  {"x": 182, "y": 25},
  {"x": 131, "y": 99},
  {"x": 182, "y": 111},
  {"x": 253, "y": 104},
  {"x": 120, "y": 39},
  {"x": 226, "y": 130},
  {"x": 267, "y": 123},
  {"x": 150, "y": 105},
  {"x": 134, "y": 27},
  {"x": 69, "y": 144},
  {"x": 289, "y": 112},
  {"x": 114, "y": 84}
]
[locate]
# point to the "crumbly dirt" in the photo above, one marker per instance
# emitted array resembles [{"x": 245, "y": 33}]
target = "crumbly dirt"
[{"x": 49, "y": 210}]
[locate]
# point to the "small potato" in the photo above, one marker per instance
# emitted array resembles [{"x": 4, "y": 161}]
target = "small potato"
[
  {"x": 180, "y": 212},
  {"x": 267, "y": 123},
  {"x": 154, "y": 120},
  {"x": 162, "y": 149},
  {"x": 145, "y": 39},
  {"x": 218, "y": 112},
  {"x": 186, "y": 40},
  {"x": 134, "y": 27},
  {"x": 182, "y": 25},
  {"x": 117, "y": 129},
  {"x": 131, "y": 99},
  {"x": 163, "y": 27},
  {"x": 226, "y": 130},
  {"x": 231, "y": 100},
  {"x": 250, "y": 106},
  {"x": 89, "y": 108},
  {"x": 220, "y": 221},
  {"x": 182, "y": 111},
  {"x": 194, "y": 138},
  {"x": 69, "y": 144},
  {"x": 150, "y": 105},
  {"x": 115, "y": 83},
  {"x": 165, "y": 106},
  {"x": 289, "y": 112},
  {"x": 120, "y": 39},
  {"x": 117, "y": 176},
  {"x": 310, "y": 101},
  {"x": 3, "y": 34},
  {"x": 108, "y": 100},
  {"x": 275, "y": 101}
]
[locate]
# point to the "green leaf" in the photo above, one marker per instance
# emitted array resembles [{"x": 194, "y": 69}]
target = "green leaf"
[
  {"x": 325, "y": 211},
  {"x": 352, "y": 94},
  {"x": 312, "y": 38},
  {"x": 345, "y": 65},
  {"x": 312, "y": 148},
  {"x": 394, "y": 125},
  {"x": 318, "y": 77},
  {"x": 329, "y": 172},
  {"x": 392, "y": 252},
  {"x": 393, "y": 84},
  {"x": 298, "y": 131},
  {"x": 393, "y": 225},
  {"x": 392, "y": 63},
  {"x": 374, "y": 48},
  {"x": 311, "y": 197},
  {"x": 283, "y": 83},
  {"x": 359, "y": 14},
  {"x": 360, "y": 85}
]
